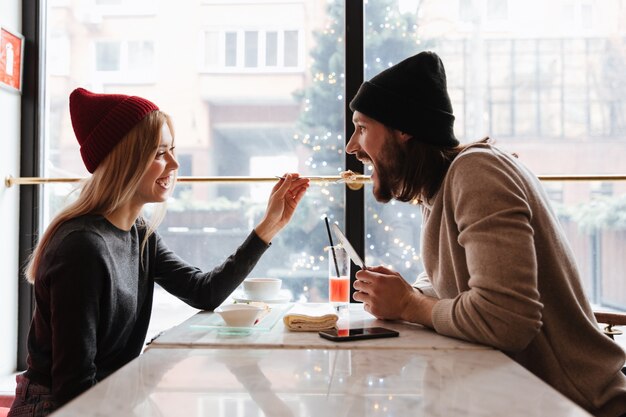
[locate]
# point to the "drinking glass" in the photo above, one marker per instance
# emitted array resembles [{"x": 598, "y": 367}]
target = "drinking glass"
[{"x": 338, "y": 277}]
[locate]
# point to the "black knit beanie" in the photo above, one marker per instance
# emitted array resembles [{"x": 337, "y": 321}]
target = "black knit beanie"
[{"x": 411, "y": 97}]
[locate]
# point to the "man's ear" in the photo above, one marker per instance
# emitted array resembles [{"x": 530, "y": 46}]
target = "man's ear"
[{"x": 404, "y": 137}]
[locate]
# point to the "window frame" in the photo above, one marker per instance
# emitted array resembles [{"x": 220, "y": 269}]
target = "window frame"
[
  {"x": 32, "y": 126},
  {"x": 124, "y": 74},
  {"x": 31, "y": 134},
  {"x": 240, "y": 67},
  {"x": 32, "y": 130},
  {"x": 125, "y": 8}
]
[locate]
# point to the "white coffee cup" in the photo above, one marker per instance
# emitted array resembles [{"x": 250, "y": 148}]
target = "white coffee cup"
[{"x": 262, "y": 288}]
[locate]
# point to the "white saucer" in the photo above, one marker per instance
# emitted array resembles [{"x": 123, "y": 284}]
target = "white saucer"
[{"x": 280, "y": 298}]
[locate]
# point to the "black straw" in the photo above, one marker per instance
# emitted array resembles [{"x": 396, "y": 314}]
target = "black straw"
[{"x": 332, "y": 247}]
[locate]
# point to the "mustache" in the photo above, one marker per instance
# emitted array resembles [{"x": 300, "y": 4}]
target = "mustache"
[{"x": 363, "y": 157}]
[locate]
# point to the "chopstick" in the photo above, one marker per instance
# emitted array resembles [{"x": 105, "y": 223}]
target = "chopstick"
[{"x": 329, "y": 178}]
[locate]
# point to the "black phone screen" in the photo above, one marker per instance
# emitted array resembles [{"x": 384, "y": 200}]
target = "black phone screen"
[{"x": 357, "y": 334}]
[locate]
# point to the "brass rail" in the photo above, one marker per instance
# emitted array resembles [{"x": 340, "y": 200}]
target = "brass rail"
[{"x": 358, "y": 181}]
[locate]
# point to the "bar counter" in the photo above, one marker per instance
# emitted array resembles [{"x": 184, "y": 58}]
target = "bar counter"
[
  {"x": 198, "y": 332},
  {"x": 321, "y": 382},
  {"x": 199, "y": 368}
]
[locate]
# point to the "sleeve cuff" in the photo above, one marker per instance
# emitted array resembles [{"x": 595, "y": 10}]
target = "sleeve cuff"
[
  {"x": 442, "y": 318},
  {"x": 254, "y": 241}
]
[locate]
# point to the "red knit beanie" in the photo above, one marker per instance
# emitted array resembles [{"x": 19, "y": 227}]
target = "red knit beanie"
[{"x": 100, "y": 121}]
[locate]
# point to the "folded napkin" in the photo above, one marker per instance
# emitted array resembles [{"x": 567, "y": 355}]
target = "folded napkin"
[{"x": 311, "y": 317}]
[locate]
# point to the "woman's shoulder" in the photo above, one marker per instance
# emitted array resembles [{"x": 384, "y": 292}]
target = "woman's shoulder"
[
  {"x": 82, "y": 233},
  {"x": 85, "y": 224}
]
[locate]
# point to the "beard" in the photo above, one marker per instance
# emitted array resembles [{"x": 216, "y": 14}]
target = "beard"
[{"x": 388, "y": 168}]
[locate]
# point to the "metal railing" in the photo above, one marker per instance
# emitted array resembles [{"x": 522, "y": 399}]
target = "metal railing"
[{"x": 354, "y": 182}]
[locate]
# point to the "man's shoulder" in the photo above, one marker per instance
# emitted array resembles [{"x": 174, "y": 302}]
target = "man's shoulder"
[
  {"x": 482, "y": 154},
  {"x": 483, "y": 164}
]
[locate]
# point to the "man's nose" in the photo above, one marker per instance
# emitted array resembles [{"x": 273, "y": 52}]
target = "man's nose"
[{"x": 352, "y": 145}]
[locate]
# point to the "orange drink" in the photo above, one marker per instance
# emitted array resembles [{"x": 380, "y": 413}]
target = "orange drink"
[
  {"x": 339, "y": 289},
  {"x": 338, "y": 276}
]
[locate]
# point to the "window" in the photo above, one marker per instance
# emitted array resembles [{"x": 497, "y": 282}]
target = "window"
[
  {"x": 291, "y": 48},
  {"x": 58, "y": 3},
  {"x": 551, "y": 94},
  {"x": 586, "y": 14},
  {"x": 231, "y": 49},
  {"x": 251, "y": 59},
  {"x": 269, "y": 97},
  {"x": 240, "y": 116},
  {"x": 252, "y": 50},
  {"x": 466, "y": 10},
  {"x": 601, "y": 189},
  {"x": 271, "y": 49},
  {"x": 121, "y": 7},
  {"x": 108, "y": 56},
  {"x": 127, "y": 61},
  {"x": 497, "y": 9},
  {"x": 60, "y": 63}
]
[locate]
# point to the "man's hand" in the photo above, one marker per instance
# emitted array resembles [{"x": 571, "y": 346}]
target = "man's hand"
[{"x": 386, "y": 295}]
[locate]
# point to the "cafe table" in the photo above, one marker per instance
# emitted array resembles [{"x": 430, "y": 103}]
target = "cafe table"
[
  {"x": 202, "y": 368},
  {"x": 321, "y": 382},
  {"x": 206, "y": 330}
]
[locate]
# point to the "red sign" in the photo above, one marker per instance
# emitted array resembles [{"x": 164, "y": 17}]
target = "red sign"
[{"x": 11, "y": 49}]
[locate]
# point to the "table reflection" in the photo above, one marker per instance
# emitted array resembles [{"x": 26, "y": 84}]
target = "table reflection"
[{"x": 300, "y": 382}]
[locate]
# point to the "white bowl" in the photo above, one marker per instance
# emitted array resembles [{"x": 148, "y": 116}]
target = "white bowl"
[
  {"x": 261, "y": 288},
  {"x": 239, "y": 315}
]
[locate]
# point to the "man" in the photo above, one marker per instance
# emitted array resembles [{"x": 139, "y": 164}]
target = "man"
[{"x": 497, "y": 264}]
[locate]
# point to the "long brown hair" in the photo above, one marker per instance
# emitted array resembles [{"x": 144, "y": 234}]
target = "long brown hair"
[
  {"x": 425, "y": 166},
  {"x": 112, "y": 184}
]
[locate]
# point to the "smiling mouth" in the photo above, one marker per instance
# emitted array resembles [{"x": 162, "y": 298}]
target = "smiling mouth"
[{"x": 165, "y": 182}]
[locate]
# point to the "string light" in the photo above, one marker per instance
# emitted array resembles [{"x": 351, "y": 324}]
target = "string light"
[{"x": 328, "y": 147}]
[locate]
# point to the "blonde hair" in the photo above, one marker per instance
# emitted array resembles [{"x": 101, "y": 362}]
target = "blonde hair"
[{"x": 112, "y": 184}]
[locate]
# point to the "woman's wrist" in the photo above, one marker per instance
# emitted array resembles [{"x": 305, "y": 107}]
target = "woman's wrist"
[{"x": 265, "y": 231}]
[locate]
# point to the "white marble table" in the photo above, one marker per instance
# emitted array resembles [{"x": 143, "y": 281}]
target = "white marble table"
[
  {"x": 321, "y": 382},
  {"x": 192, "y": 334}
]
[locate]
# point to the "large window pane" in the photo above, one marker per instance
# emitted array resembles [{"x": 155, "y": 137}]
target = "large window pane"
[
  {"x": 542, "y": 87},
  {"x": 231, "y": 49},
  {"x": 243, "y": 104},
  {"x": 108, "y": 56},
  {"x": 271, "y": 49},
  {"x": 291, "y": 48},
  {"x": 211, "y": 49},
  {"x": 140, "y": 55},
  {"x": 252, "y": 49}
]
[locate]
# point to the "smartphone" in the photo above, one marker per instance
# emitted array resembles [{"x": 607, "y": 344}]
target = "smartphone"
[{"x": 357, "y": 334}]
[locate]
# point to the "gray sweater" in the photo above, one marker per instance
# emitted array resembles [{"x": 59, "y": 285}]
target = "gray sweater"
[
  {"x": 94, "y": 299},
  {"x": 506, "y": 277}
]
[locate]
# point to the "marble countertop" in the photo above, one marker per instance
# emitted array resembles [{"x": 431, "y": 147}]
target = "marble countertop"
[
  {"x": 195, "y": 333},
  {"x": 321, "y": 382}
]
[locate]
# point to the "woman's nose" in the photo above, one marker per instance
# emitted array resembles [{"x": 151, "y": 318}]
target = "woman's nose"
[{"x": 173, "y": 163}]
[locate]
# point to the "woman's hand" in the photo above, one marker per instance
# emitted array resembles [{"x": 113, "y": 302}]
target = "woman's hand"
[
  {"x": 386, "y": 295},
  {"x": 283, "y": 201}
]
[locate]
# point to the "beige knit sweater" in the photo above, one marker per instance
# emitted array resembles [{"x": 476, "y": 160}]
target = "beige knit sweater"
[{"x": 506, "y": 277}]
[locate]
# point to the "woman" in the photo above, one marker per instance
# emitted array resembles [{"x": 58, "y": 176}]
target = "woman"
[{"x": 95, "y": 267}]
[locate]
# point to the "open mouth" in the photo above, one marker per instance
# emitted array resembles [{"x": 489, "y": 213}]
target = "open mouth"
[{"x": 165, "y": 182}]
